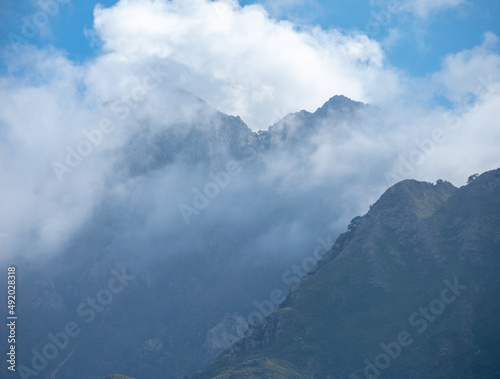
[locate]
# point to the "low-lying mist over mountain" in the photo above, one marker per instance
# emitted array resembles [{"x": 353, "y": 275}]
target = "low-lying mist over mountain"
[
  {"x": 199, "y": 232},
  {"x": 176, "y": 179},
  {"x": 200, "y": 222}
]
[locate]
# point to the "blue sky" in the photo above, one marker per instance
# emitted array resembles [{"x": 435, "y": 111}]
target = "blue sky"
[{"x": 421, "y": 42}]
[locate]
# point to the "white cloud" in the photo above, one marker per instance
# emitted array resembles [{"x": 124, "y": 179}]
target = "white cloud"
[
  {"x": 470, "y": 80},
  {"x": 241, "y": 60},
  {"x": 470, "y": 71}
]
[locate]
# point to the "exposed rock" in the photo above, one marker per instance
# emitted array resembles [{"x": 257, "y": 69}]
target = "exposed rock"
[{"x": 231, "y": 329}]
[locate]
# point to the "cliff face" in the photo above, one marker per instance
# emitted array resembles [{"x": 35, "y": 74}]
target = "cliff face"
[{"x": 411, "y": 290}]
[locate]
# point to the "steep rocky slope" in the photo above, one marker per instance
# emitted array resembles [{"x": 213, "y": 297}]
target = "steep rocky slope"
[{"x": 410, "y": 291}]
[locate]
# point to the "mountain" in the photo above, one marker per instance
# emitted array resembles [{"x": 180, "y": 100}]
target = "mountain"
[
  {"x": 194, "y": 223},
  {"x": 297, "y": 129},
  {"x": 409, "y": 291},
  {"x": 191, "y": 133}
]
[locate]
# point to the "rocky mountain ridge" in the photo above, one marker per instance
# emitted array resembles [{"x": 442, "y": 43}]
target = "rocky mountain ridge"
[
  {"x": 410, "y": 290},
  {"x": 195, "y": 279}
]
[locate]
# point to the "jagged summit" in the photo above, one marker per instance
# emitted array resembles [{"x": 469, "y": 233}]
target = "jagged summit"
[
  {"x": 296, "y": 128},
  {"x": 339, "y": 104}
]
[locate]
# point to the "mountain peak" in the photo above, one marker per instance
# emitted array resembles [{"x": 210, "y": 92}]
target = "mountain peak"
[
  {"x": 339, "y": 104},
  {"x": 419, "y": 241},
  {"x": 421, "y": 198}
]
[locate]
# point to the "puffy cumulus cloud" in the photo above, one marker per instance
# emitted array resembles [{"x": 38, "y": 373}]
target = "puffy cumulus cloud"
[
  {"x": 471, "y": 72},
  {"x": 241, "y": 60},
  {"x": 451, "y": 143},
  {"x": 470, "y": 141}
]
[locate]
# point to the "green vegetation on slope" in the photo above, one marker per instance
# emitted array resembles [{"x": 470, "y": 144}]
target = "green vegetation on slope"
[{"x": 411, "y": 290}]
